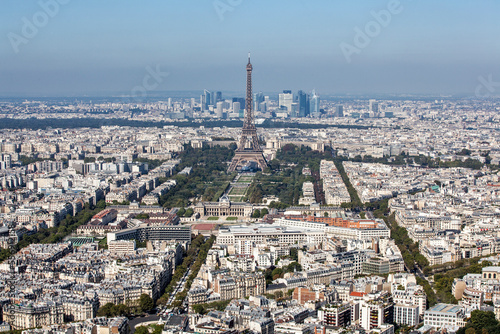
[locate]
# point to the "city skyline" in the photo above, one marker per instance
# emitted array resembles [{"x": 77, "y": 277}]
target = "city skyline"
[
  {"x": 351, "y": 186},
  {"x": 377, "y": 47}
]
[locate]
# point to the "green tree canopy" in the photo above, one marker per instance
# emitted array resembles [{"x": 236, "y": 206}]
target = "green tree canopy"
[
  {"x": 146, "y": 303},
  {"x": 141, "y": 330},
  {"x": 294, "y": 266},
  {"x": 106, "y": 310},
  {"x": 483, "y": 319},
  {"x": 189, "y": 212},
  {"x": 263, "y": 212},
  {"x": 277, "y": 273}
]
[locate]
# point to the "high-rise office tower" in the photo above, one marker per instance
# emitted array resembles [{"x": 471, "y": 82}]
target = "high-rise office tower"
[
  {"x": 263, "y": 106},
  {"x": 236, "y": 107},
  {"x": 314, "y": 103},
  {"x": 286, "y": 99},
  {"x": 169, "y": 103},
  {"x": 219, "y": 110},
  {"x": 294, "y": 111},
  {"x": 206, "y": 99},
  {"x": 258, "y": 98},
  {"x": 339, "y": 111},
  {"x": 374, "y": 106},
  {"x": 192, "y": 102},
  {"x": 303, "y": 104},
  {"x": 218, "y": 97},
  {"x": 212, "y": 99}
]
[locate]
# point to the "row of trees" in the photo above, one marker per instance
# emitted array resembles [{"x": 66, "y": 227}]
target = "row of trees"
[
  {"x": 401, "y": 159},
  {"x": 457, "y": 267},
  {"x": 72, "y": 123},
  {"x": 88, "y": 122},
  {"x": 181, "y": 269},
  {"x": 144, "y": 304},
  {"x": 277, "y": 205},
  {"x": 195, "y": 268},
  {"x": 198, "y": 248},
  {"x": 25, "y": 160},
  {"x": 113, "y": 310},
  {"x": 425, "y": 161},
  {"x": 270, "y": 123},
  {"x": 355, "y": 201},
  {"x": 438, "y": 163},
  {"x": 409, "y": 249}
]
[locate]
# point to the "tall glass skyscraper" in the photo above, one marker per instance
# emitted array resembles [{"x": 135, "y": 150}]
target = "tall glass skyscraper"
[
  {"x": 206, "y": 99},
  {"x": 286, "y": 100},
  {"x": 303, "y": 104},
  {"x": 314, "y": 105},
  {"x": 258, "y": 98}
]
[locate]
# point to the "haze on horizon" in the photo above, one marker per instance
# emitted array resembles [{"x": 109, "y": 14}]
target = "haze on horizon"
[{"x": 99, "y": 47}]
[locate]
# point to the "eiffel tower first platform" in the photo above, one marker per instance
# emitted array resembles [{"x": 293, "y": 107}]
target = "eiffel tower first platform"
[{"x": 248, "y": 148}]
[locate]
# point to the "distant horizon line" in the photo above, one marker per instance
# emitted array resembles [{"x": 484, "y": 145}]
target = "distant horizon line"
[{"x": 197, "y": 92}]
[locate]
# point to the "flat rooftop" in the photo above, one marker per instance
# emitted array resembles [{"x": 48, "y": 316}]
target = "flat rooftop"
[{"x": 445, "y": 308}]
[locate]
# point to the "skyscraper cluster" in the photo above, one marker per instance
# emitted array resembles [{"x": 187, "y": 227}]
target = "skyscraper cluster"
[
  {"x": 210, "y": 99},
  {"x": 214, "y": 104},
  {"x": 299, "y": 105}
]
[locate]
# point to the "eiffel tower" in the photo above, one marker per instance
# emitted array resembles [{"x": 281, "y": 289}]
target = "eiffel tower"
[{"x": 249, "y": 148}]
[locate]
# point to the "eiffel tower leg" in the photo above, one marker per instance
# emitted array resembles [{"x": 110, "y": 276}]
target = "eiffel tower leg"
[
  {"x": 233, "y": 165},
  {"x": 262, "y": 162}
]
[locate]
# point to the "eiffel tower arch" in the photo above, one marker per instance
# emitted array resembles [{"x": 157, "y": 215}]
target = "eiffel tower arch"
[{"x": 248, "y": 148}]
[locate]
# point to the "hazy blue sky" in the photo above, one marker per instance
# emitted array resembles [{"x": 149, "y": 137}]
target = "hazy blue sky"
[{"x": 93, "y": 46}]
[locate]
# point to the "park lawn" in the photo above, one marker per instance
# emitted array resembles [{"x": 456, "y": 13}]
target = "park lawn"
[
  {"x": 237, "y": 191},
  {"x": 245, "y": 179}
]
